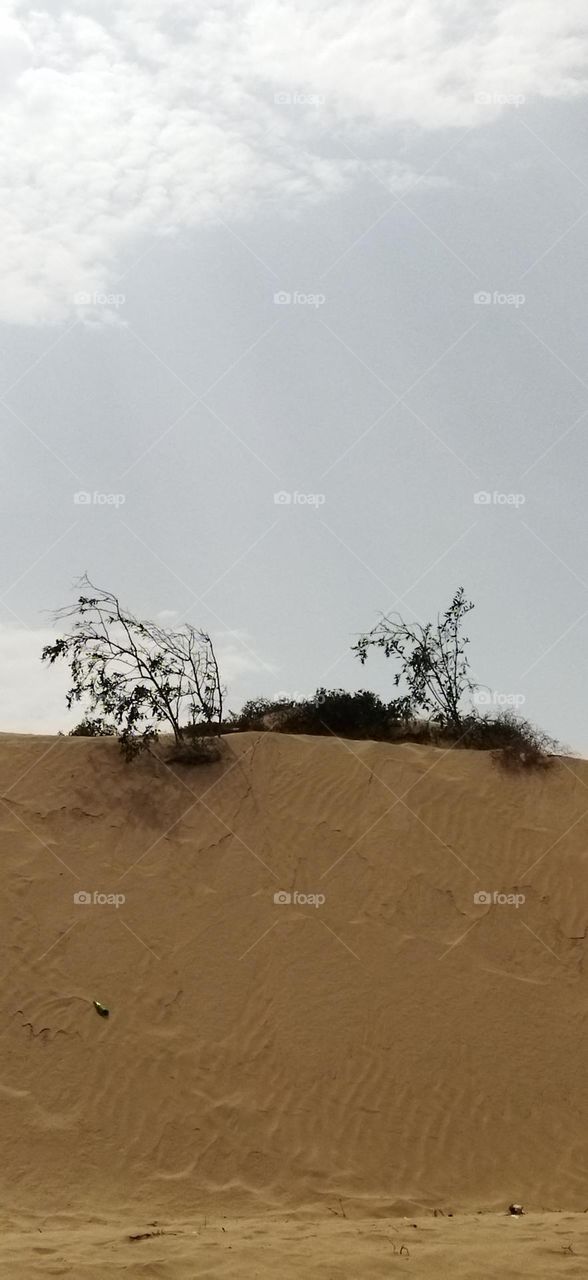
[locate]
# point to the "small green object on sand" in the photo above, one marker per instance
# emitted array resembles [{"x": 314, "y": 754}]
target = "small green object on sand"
[{"x": 101, "y": 1009}]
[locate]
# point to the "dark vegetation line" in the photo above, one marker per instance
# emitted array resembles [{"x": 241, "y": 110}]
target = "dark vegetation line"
[{"x": 137, "y": 680}]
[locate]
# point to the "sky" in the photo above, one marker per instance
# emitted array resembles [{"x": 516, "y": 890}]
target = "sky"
[{"x": 293, "y": 323}]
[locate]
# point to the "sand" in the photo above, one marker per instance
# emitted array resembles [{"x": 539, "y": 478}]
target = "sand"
[
  {"x": 460, "y": 1248},
  {"x": 314, "y": 1078}
]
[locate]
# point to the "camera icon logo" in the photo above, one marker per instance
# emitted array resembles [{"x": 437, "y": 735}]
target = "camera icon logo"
[
  {"x": 482, "y": 898},
  {"x": 482, "y": 499},
  {"x": 82, "y": 498},
  {"x": 282, "y": 298},
  {"x": 282, "y": 498},
  {"x": 282, "y": 898},
  {"x": 483, "y": 298},
  {"x": 81, "y": 898}
]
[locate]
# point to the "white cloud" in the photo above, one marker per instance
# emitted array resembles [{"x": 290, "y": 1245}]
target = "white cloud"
[
  {"x": 237, "y": 658},
  {"x": 16, "y": 52},
  {"x": 142, "y": 116},
  {"x": 32, "y": 695}
]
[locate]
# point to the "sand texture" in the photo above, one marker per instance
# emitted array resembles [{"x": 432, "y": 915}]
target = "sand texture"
[{"x": 354, "y": 1065}]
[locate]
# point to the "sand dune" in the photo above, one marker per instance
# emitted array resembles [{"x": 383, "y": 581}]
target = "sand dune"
[{"x": 396, "y": 1049}]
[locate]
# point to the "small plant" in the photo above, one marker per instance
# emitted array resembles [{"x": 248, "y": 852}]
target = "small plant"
[
  {"x": 433, "y": 659},
  {"x": 139, "y": 676},
  {"x": 88, "y": 728},
  {"x": 517, "y": 744},
  {"x": 435, "y": 668}
]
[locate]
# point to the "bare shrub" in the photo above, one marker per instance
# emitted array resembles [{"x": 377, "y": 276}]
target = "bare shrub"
[{"x": 140, "y": 676}]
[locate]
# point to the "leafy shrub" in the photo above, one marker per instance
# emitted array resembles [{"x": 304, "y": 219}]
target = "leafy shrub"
[
  {"x": 515, "y": 743},
  {"x": 329, "y": 711},
  {"x": 432, "y": 659},
  {"x": 89, "y": 728},
  {"x": 252, "y": 712},
  {"x": 132, "y": 744}
]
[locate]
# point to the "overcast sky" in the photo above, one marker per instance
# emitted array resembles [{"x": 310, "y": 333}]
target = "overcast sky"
[{"x": 334, "y": 252}]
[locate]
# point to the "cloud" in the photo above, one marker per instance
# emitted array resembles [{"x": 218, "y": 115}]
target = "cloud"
[
  {"x": 32, "y": 695},
  {"x": 16, "y": 53},
  {"x": 149, "y": 116},
  {"x": 237, "y": 658}
]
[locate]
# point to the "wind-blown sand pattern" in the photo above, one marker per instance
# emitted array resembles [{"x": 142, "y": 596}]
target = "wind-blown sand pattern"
[{"x": 356, "y": 1065}]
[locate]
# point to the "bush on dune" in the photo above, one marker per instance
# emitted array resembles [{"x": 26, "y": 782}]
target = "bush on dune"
[
  {"x": 433, "y": 667},
  {"x": 88, "y": 728},
  {"x": 329, "y": 711},
  {"x": 145, "y": 680},
  {"x": 140, "y": 677},
  {"x": 433, "y": 664},
  {"x": 515, "y": 743}
]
